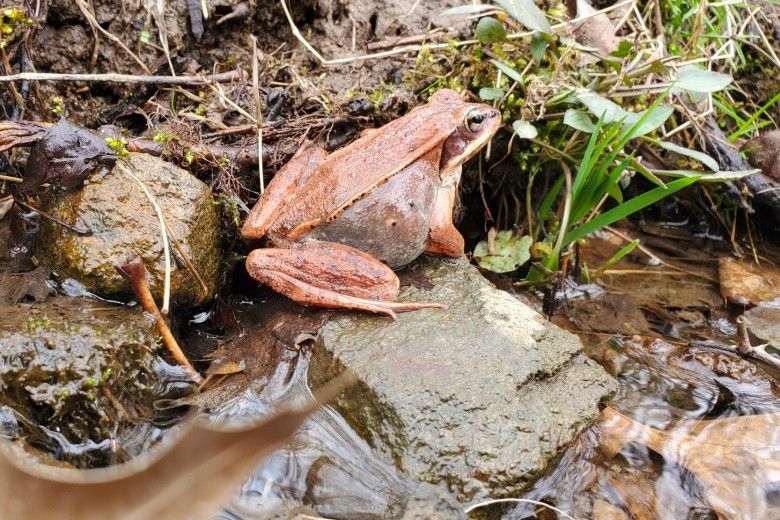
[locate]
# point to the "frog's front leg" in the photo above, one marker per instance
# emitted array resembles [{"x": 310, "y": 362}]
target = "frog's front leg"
[
  {"x": 324, "y": 274},
  {"x": 281, "y": 188},
  {"x": 443, "y": 238}
]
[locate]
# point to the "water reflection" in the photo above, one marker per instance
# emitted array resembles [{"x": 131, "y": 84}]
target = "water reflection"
[
  {"x": 326, "y": 467},
  {"x": 668, "y": 453}
]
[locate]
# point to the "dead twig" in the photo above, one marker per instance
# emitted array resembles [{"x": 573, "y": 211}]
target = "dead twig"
[
  {"x": 225, "y": 77},
  {"x": 163, "y": 232},
  {"x": 135, "y": 272}
]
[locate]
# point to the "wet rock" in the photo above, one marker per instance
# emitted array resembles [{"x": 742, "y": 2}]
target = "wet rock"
[
  {"x": 481, "y": 396},
  {"x": 763, "y": 321},
  {"x": 77, "y": 373},
  {"x": 124, "y": 224}
]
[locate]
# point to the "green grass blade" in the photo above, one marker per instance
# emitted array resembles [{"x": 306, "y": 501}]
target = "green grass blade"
[
  {"x": 582, "y": 169},
  {"x": 627, "y": 208},
  {"x": 748, "y": 125},
  {"x": 545, "y": 210}
]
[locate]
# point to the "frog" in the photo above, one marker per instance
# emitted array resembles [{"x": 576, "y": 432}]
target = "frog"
[{"x": 337, "y": 225}]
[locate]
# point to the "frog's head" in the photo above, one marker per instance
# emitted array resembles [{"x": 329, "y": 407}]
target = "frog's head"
[{"x": 476, "y": 125}]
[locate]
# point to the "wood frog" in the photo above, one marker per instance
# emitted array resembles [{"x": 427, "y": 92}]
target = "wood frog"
[{"x": 337, "y": 225}]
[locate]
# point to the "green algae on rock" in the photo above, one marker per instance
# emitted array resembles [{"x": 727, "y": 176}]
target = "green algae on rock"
[
  {"x": 123, "y": 224},
  {"x": 76, "y": 369}
]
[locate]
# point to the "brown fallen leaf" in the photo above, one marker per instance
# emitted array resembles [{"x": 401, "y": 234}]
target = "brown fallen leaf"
[
  {"x": 764, "y": 152},
  {"x": 734, "y": 459},
  {"x": 190, "y": 475},
  {"x": 65, "y": 156},
  {"x": 746, "y": 284},
  {"x": 595, "y": 31}
]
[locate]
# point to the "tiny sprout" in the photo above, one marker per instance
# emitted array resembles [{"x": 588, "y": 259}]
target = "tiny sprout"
[
  {"x": 162, "y": 137},
  {"x": 57, "y": 106},
  {"x": 119, "y": 146}
]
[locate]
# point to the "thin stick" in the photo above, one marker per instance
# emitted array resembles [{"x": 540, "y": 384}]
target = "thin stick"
[
  {"x": 515, "y": 500},
  {"x": 566, "y": 210},
  {"x": 656, "y": 258},
  {"x": 135, "y": 272},
  {"x": 164, "y": 236},
  {"x": 82, "y": 232},
  {"x": 225, "y": 77},
  {"x": 258, "y": 113}
]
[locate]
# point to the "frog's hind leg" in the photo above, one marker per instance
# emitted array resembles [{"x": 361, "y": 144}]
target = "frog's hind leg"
[
  {"x": 324, "y": 274},
  {"x": 281, "y": 188}
]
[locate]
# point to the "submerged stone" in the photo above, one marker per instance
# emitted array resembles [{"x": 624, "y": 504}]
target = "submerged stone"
[
  {"x": 481, "y": 396},
  {"x": 77, "y": 373},
  {"x": 123, "y": 224}
]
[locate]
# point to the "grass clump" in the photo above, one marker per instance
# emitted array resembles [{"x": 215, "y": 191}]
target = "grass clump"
[{"x": 606, "y": 110}]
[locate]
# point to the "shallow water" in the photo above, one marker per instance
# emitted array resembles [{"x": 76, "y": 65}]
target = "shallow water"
[{"x": 671, "y": 389}]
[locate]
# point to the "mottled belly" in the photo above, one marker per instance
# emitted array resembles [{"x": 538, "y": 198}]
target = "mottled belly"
[{"x": 392, "y": 222}]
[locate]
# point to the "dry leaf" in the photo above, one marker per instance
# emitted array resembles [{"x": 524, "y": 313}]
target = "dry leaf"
[
  {"x": 746, "y": 284},
  {"x": 190, "y": 475},
  {"x": 735, "y": 459},
  {"x": 596, "y": 31},
  {"x": 764, "y": 152}
]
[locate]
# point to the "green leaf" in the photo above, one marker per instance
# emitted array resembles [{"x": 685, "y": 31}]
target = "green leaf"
[
  {"x": 624, "y": 48},
  {"x": 696, "y": 79},
  {"x": 467, "y": 9},
  {"x": 614, "y": 113},
  {"x": 578, "y": 120},
  {"x": 145, "y": 36},
  {"x": 509, "y": 71},
  {"x": 702, "y": 157},
  {"x": 490, "y": 93},
  {"x": 718, "y": 176},
  {"x": 489, "y": 30},
  {"x": 509, "y": 252},
  {"x": 538, "y": 46},
  {"x": 627, "y": 208},
  {"x": 527, "y": 13},
  {"x": 524, "y": 129}
]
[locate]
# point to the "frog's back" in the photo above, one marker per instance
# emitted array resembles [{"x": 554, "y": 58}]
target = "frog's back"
[{"x": 356, "y": 171}]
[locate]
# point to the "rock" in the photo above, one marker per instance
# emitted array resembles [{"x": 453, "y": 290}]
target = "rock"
[
  {"x": 747, "y": 284},
  {"x": 124, "y": 224},
  {"x": 77, "y": 368},
  {"x": 481, "y": 396},
  {"x": 763, "y": 321}
]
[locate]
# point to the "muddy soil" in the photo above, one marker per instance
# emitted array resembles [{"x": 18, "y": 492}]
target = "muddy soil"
[{"x": 66, "y": 43}]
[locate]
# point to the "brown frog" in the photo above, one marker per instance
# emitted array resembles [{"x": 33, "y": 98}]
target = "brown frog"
[{"x": 337, "y": 225}]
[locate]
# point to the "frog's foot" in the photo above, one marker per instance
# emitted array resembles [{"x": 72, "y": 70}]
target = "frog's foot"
[{"x": 336, "y": 276}]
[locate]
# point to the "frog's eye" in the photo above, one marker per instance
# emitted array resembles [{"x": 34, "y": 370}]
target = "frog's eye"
[{"x": 474, "y": 119}]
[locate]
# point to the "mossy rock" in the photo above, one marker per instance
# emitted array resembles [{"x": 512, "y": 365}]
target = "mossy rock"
[
  {"x": 123, "y": 224},
  {"x": 77, "y": 372}
]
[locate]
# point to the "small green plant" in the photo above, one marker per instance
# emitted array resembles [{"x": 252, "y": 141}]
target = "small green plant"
[
  {"x": 12, "y": 21},
  {"x": 119, "y": 146},
  {"x": 57, "y": 106}
]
